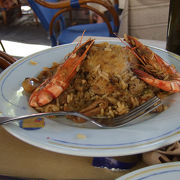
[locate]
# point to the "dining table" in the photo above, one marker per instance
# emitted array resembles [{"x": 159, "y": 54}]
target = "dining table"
[{"x": 23, "y": 160}]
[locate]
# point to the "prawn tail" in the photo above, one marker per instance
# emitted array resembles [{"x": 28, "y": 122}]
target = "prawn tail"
[{"x": 170, "y": 86}]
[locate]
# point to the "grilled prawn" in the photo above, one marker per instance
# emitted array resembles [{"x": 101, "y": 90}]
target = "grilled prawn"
[
  {"x": 52, "y": 87},
  {"x": 158, "y": 73}
]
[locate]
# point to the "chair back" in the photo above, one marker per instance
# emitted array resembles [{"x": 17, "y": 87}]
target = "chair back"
[
  {"x": 69, "y": 5},
  {"x": 45, "y": 15},
  {"x": 116, "y": 5}
]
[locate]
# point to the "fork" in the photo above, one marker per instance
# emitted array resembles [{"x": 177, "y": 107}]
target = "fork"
[{"x": 101, "y": 122}]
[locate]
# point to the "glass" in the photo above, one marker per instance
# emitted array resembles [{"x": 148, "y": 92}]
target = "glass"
[{"x": 173, "y": 30}]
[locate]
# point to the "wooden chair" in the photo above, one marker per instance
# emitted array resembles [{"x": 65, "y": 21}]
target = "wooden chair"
[
  {"x": 5, "y": 60},
  {"x": 2, "y": 46},
  {"x": 4, "y": 11},
  {"x": 68, "y": 34}
]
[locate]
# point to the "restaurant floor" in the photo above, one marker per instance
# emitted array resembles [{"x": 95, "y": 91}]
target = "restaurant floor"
[{"x": 23, "y": 35}]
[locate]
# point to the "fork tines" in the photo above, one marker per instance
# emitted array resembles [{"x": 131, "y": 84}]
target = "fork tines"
[{"x": 137, "y": 112}]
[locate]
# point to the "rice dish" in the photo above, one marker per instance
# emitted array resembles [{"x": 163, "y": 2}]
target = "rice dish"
[{"x": 105, "y": 85}]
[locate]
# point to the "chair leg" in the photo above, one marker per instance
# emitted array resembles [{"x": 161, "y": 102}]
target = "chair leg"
[
  {"x": 36, "y": 19},
  {"x": 20, "y": 11},
  {"x": 2, "y": 46},
  {"x": 4, "y": 16}
]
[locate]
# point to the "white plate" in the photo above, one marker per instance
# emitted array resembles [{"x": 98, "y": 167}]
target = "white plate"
[
  {"x": 61, "y": 136},
  {"x": 166, "y": 171}
]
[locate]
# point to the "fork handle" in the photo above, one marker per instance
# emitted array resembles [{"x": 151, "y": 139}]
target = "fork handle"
[{"x": 4, "y": 120}]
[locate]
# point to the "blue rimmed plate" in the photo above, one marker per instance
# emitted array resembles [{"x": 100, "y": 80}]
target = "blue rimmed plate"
[
  {"x": 63, "y": 136},
  {"x": 166, "y": 171}
]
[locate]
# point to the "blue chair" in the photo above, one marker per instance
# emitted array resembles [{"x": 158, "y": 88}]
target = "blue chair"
[
  {"x": 45, "y": 16},
  {"x": 50, "y": 11}
]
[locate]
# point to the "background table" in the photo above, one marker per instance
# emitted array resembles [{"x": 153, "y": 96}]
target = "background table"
[{"x": 20, "y": 159}]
